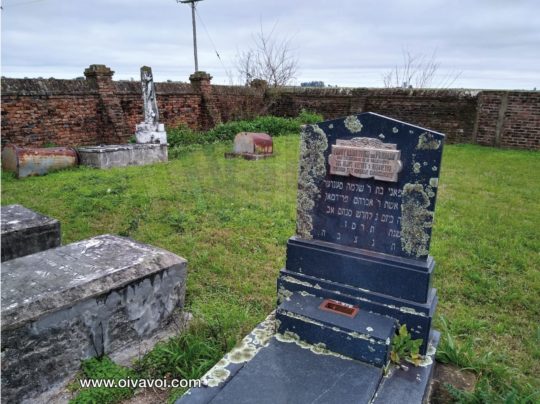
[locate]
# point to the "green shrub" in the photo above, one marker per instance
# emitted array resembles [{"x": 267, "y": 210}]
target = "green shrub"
[{"x": 273, "y": 125}]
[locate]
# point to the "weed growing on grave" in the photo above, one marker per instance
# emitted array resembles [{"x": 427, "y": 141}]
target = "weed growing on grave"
[{"x": 405, "y": 348}]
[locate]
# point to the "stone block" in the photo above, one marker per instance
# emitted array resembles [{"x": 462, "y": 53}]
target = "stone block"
[
  {"x": 417, "y": 316},
  {"x": 85, "y": 299},
  {"x": 252, "y": 146},
  {"x": 395, "y": 276},
  {"x": 123, "y": 155},
  {"x": 148, "y": 133},
  {"x": 359, "y": 335},
  {"x": 26, "y": 232}
]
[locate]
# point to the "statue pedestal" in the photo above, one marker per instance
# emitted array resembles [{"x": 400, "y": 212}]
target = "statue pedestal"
[{"x": 148, "y": 133}]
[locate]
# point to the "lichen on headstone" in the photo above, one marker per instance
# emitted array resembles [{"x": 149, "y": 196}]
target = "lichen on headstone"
[
  {"x": 416, "y": 219},
  {"x": 312, "y": 169},
  {"x": 353, "y": 124},
  {"x": 426, "y": 141}
]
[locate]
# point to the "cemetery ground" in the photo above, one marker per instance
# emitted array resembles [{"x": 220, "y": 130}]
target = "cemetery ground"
[{"x": 231, "y": 218}]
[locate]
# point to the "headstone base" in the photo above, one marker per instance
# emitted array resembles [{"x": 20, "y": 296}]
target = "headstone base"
[
  {"x": 248, "y": 156},
  {"x": 147, "y": 133},
  {"x": 365, "y": 336},
  {"x": 108, "y": 156}
]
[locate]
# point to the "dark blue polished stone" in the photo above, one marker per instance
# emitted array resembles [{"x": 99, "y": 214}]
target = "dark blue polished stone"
[
  {"x": 367, "y": 213},
  {"x": 365, "y": 337},
  {"x": 417, "y": 316},
  {"x": 286, "y": 373},
  {"x": 375, "y": 272}
]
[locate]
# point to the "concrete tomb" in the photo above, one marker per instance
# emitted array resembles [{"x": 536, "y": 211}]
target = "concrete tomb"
[
  {"x": 123, "y": 155},
  {"x": 93, "y": 297},
  {"x": 356, "y": 270},
  {"x": 29, "y": 161},
  {"x": 26, "y": 232},
  {"x": 252, "y": 146}
]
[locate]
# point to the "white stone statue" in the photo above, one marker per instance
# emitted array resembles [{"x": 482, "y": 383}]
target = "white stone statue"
[{"x": 150, "y": 131}]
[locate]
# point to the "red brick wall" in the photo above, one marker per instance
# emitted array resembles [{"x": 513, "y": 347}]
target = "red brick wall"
[
  {"x": 37, "y": 112},
  {"x": 79, "y": 112},
  {"x": 509, "y": 119},
  {"x": 451, "y": 112}
]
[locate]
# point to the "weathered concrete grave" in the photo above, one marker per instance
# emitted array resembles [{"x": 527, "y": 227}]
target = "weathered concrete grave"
[
  {"x": 124, "y": 155},
  {"x": 29, "y": 161},
  {"x": 252, "y": 146},
  {"x": 89, "y": 298},
  {"x": 358, "y": 268},
  {"x": 26, "y": 232}
]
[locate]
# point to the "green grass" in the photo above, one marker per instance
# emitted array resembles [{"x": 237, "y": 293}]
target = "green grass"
[{"x": 231, "y": 220}]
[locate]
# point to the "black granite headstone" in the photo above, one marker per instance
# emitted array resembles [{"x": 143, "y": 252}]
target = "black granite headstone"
[
  {"x": 367, "y": 187},
  {"x": 379, "y": 192}
]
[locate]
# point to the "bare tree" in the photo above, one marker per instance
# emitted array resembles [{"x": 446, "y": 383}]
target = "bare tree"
[
  {"x": 270, "y": 59},
  {"x": 418, "y": 71}
]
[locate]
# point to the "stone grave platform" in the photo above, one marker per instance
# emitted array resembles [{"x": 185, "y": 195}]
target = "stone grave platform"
[
  {"x": 26, "y": 232},
  {"x": 133, "y": 154},
  {"x": 270, "y": 367},
  {"x": 89, "y": 298}
]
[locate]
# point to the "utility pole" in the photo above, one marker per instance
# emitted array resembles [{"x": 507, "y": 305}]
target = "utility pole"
[{"x": 192, "y": 2}]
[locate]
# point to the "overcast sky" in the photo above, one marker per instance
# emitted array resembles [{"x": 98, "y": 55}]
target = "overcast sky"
[{"x": 488, "y": 43}]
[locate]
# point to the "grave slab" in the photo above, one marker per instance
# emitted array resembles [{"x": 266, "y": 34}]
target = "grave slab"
[
  {"x": 26, "y": 232},
  {"x": 273, "y": 368},
  {"x": 85, "y": 299},
  {"x": 108, "y": 156}
]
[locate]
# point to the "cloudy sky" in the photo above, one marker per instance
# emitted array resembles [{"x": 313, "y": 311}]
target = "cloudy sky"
[{"x": 479, "y": 43}]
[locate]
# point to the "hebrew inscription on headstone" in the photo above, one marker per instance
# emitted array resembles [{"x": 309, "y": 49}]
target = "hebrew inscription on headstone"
[{"x": 369, "y": 182}]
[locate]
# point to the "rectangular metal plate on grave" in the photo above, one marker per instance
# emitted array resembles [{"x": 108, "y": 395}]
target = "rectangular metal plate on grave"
[{"x": 370, "y": 182}]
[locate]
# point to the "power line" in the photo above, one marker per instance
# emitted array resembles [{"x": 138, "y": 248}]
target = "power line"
[
  {"x": 192, "y": 2},
  {"x": 213, "y": 44}
]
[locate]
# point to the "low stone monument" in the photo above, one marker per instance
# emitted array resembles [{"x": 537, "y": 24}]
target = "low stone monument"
[
  {"x": 357, "y": 269},
  {"x": 99, "y": 296},
  {"x": 150, "y": 131},
  {"x": 30, "y": 161},
  {"x": 26, "y": 232},
  {"x": 252, "y": 146}
]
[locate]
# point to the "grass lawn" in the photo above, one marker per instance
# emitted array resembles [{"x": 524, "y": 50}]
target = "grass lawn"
[{"x": 231, "y": 220}]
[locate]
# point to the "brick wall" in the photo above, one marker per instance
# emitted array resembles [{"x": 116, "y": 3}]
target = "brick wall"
[
  {"x": 451, "y": 112},
  {"x": 508, "y": 119},
  {"x": 36, "y": 112}
]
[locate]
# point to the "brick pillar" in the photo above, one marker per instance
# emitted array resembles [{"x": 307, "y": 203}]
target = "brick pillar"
[
  {"x": 113, "y": 125},
  {"x": 210, "y": 116}
]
